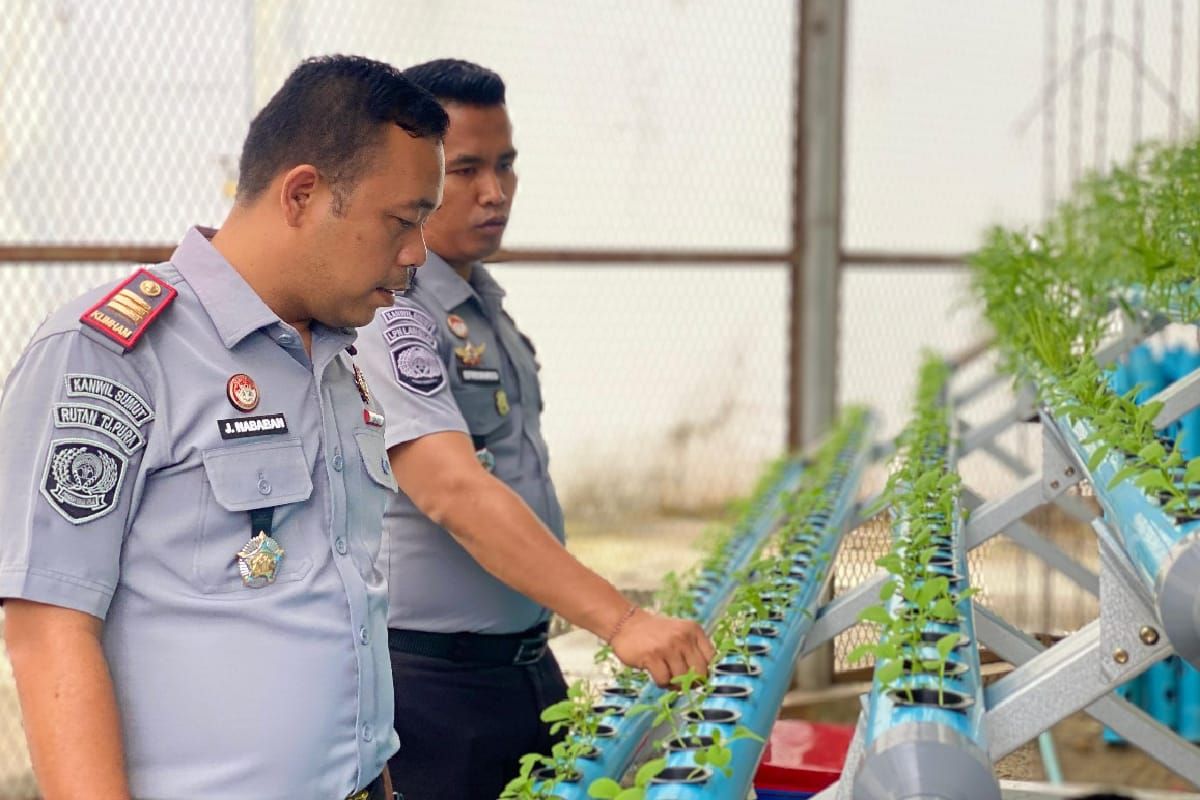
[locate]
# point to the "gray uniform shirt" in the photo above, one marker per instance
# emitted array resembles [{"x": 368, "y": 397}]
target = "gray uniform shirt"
[
  {"x": 425, "y": 386},
  {"x": 127, "y": 482}
]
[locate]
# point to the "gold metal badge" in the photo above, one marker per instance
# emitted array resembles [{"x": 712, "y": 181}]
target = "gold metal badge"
[
  {"x": 258, "y": 561},
  {"x": 471, "y": 355},
  {"x": 502, "y": 402},
  {"x": 149, "y": 288}
]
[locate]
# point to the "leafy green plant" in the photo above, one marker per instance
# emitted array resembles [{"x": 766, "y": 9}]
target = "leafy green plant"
[
  {"x": 766, "y": 582},
  {"x": 1125, "y": 245},
  {"x": 923, "y": 495}
]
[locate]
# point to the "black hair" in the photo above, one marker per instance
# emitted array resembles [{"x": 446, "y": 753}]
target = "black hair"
[
  {"x": 452, "y": 80},
  {"x": 331, "y": 112}
]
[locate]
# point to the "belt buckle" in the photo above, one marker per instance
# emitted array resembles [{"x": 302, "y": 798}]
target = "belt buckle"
[
  {"x": 362, "y": 794},
  {"x": 530, "y": 651}
]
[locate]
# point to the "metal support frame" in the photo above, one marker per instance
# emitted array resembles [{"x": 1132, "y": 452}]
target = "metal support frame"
[
  {"x": 1178, "y": 399},
  {"x": 1082, "y": 671}
]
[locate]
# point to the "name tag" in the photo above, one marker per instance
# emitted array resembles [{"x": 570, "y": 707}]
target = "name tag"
[
  {"x": 240, "y": 427},
  {"x": 476, "y": 375}
]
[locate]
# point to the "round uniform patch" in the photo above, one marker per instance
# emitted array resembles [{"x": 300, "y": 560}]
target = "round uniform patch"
[
  {"x": 417, "y": 368},
  {"x": 457, "y": 326},
  {"x": 83, "y": 479},
  {"x": 242, "y": 392}
]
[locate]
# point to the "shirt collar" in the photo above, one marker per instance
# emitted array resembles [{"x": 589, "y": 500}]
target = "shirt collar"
[
  {"x": 233, "y": 306},
  {"x": 439, "y": 278}
]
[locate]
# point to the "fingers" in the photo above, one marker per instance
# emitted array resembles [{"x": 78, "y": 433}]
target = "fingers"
[
  {"x": 660, "y": 673},
  {"x": 678, "y": 663},
  {"x": 666, "y": 648}
]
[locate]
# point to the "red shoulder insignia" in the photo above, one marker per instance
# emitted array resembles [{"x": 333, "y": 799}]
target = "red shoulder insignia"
[{"x": 128, "y": 310}]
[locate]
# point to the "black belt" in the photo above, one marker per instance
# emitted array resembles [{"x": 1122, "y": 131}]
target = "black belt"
[
  {"x": 518, "y": 649},
  {"x": 374, "y": 791}
]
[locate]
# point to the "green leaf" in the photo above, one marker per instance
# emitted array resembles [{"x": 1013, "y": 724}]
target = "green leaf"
[
  {"x": 889, "y": 672},
  {"x": 633, "y": 793},
  {"x": 1192, "y": 473},
  {"x": 719, "y": 756},
  {"x": 860, "y": 652},
  {"x": 557, "y": 712},
  {"x": 933, "y": 587},
  {"x": 1148, "y": 411},
  {"x": 605, "y": 788},
  {"x": 649, "y": 770},
  {"x": 876, "y": 614},
  {"x": 1153, "y": 481},
  {"x": 1153, "y": 453},
  {"x": 944, "y": 610},
  {"x": 946, "y": 644},
  {"x": 742, "y": 732},
  {"x": 1122, "y": 475},
  {"x": 889, "y": 587},
  {"x": 1098, "y": 456}
]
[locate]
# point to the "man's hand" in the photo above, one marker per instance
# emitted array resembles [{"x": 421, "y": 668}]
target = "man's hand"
[{"x": 663, "y": 646}]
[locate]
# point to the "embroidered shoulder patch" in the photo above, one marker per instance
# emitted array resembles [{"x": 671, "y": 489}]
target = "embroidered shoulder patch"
[
  {"x": 408, "y": 322},
  {"x": 417, "y": 368},
  {"x": 95, "y": 418},
  {"x": 83, "y": 479},
  {"x": 128, "y": 310},
  {"x": 102, "y": 388}
]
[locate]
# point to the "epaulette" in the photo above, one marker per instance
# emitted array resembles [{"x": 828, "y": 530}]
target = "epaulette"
[{"x": 128, "y": 310}]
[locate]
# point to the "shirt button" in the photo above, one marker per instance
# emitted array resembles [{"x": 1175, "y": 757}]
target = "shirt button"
[
  {"x": 264, "y": 486},
  {"x": 367, "y": 732},
  {"x": 339, "y": 544},
  {"x": 286, "y": 338},
  {"x": 338, "y": 462},
  {"x": 364, "y": 635}
]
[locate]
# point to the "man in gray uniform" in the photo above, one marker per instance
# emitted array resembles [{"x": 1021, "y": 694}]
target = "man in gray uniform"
[
  {"x": 193, "y": 477},
  {"x": 473, "y": 545}
]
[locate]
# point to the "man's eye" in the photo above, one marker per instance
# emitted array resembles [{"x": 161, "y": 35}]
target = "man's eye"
[{"x": 466, "y": 172}]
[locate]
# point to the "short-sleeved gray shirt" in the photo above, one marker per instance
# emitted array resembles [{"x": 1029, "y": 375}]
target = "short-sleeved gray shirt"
[
  {"x": 128, "y": 480},
  {"x": 447, "y": 357}
]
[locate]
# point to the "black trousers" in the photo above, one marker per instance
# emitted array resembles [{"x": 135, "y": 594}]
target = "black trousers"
[{"x": 464, "y": 726}]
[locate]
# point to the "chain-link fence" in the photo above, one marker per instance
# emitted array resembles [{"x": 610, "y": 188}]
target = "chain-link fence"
[{"x": 649, "y": 125}]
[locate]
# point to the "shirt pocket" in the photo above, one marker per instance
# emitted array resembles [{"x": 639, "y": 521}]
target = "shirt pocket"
[
  {"x": 377, "y": 487},
  {"x": 481, "y": 411},
  {"x": 241, "y": 479}
]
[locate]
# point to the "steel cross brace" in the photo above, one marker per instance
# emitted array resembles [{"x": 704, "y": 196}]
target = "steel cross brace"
[
  {"x": 1081, "y": 672},
  {"x": 987, "y": 520},
  {"x": 1178, "y": 399}
]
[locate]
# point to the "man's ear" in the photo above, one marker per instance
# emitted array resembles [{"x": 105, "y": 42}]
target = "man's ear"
[{"x": 298, "y": 192}]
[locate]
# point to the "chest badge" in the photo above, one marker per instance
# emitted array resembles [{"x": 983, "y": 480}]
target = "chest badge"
[
  {"x": 242, "y": 392},
  {"x": 258, "y": 561},
  {"x": 502, "y": 402},
  {"x": 471, "y": 355},
  {"x": 458, "y": 326},
  {"x": 360, "y": 383}
]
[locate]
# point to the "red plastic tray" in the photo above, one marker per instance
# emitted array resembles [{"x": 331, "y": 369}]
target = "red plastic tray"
[{"x": 803, "y": 756}]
